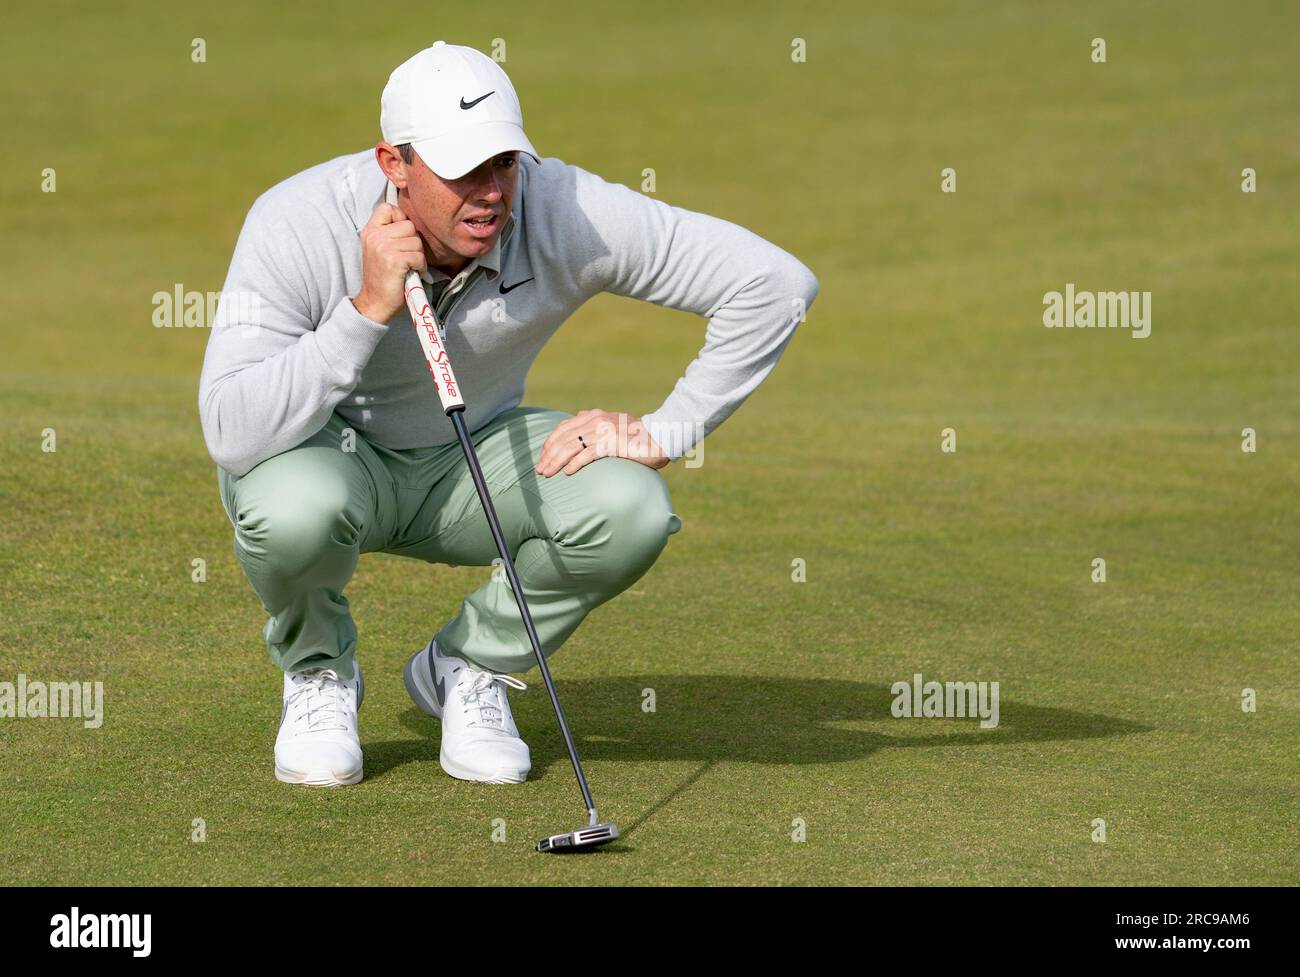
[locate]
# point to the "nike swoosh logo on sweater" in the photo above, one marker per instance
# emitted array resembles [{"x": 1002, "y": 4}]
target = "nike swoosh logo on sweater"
[
  {"x": 510, "y": 288},
  {"x": 469, "y": 105}
]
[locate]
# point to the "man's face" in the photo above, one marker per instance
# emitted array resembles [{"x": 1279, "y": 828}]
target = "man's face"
[{"x": 461, "y": 219}]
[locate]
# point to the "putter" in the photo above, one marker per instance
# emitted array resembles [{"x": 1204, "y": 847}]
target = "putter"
[{"x": 453, "y": 405}]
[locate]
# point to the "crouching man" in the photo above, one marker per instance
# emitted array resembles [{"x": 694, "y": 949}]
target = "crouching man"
[{"x": 324, "y": 423}]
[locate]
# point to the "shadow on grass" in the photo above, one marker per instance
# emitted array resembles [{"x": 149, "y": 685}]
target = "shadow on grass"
[{"x": 713, "y": 718}]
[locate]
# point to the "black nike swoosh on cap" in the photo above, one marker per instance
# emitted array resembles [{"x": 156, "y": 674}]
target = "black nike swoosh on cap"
[
  {"x": 469, "y": 105},
  {"x": 510, "y": 288}
]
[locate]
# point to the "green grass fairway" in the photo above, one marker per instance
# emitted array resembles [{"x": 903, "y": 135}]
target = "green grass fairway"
[{"x": 1120, "y": 700}]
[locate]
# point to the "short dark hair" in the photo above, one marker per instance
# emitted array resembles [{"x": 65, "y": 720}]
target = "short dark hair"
[{"x": 406, "y": 152}]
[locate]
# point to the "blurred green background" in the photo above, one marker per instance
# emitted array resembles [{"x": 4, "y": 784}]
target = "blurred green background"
[{"x": 1121, "y": 700}]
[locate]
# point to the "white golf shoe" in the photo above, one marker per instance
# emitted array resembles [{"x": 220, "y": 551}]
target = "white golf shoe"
[
  {"x": 318, "y": 743},
  {"x": 479, "y": 738}
]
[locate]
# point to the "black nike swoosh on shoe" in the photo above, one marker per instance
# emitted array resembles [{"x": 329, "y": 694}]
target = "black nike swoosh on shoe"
[
  {"x": 510, "y": 288},
  {"x": 469, "y": 105},
  {"x": 439, "y": 686}
]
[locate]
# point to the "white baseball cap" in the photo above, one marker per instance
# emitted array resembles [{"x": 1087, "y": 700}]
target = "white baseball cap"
[{"x": 456, "y": 108}]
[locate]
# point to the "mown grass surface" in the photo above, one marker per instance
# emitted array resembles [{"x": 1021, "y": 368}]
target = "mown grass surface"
[{"x": 1120, "y": 701}]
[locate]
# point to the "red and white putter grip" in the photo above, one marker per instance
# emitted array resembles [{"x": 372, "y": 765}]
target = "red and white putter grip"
[{"x": 435, "y": 354}]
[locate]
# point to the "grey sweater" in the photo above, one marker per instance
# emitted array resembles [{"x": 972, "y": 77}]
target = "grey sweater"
[{"x": 288, "y": 348}]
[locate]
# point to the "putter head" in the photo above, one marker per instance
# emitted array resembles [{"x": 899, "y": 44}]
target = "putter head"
[{"x": 597, "y": 834}]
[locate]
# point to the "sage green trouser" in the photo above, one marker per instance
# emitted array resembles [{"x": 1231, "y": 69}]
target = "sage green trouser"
[{"x": 303, "y": 518}]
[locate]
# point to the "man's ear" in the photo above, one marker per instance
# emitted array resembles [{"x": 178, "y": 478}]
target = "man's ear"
[{"x": 390, "y": 161}]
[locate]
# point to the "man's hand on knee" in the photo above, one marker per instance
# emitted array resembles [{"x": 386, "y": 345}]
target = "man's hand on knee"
[{"x": 596, "y": 434}]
